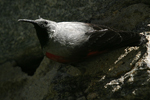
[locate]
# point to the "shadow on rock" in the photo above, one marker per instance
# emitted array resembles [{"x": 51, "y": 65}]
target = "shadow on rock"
[{"x": 95, "y": 77}]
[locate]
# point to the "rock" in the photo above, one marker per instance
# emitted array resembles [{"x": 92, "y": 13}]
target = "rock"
[
  {"x": 73, "y": 71},
  {"x": 37, "y": 86},
  {"x": 92, "y": 96},
  {"x": 120, "y": 74},
  {"x": 81, "y": 98},
  {"x": 12, "y": 80},
  {"x": 127, "y": 17}
]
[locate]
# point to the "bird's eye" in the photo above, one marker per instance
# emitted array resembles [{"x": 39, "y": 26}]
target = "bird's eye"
[{"x": 45, "y": 22}]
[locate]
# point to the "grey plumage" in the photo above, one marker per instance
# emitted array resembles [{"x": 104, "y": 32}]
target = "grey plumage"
[{"x": 77, "y": 40}]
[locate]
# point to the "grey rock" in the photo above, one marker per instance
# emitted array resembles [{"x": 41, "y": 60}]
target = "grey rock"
[
  {"x": 51, "y": 81},
  {"x": 12, "y": 80},
  {"x": 92, "y": 96},
  {"x": 81, "y": 98}
]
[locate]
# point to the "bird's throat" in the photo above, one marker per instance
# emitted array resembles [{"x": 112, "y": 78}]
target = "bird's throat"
[{"x": 42, "y": 36}]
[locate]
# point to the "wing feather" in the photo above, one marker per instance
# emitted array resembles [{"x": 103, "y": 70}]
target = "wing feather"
[{"x": 106, "y": 38}]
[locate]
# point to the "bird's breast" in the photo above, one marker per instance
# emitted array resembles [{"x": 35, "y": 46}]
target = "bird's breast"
[
  {"x": 67, "y": 41},
  {"x": 59, "y": 53},
  {"x": 58, "y": 49}
]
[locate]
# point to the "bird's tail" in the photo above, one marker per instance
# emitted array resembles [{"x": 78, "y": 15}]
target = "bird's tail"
[{"x": 133, "y": 39}]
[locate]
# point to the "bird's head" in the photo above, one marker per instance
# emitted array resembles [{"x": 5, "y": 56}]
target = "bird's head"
[
  {"x": 39, "y": 23},
  {"x": 43, "y": 28}
]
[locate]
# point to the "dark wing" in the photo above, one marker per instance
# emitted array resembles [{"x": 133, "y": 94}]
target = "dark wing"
[{"x": 104, "y": 38}]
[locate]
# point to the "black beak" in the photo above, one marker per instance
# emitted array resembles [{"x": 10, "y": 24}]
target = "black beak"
[{"x": 27, "y": 20}]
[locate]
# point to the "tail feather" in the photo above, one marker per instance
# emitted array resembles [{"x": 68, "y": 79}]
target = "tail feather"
[{"x": 133, "y": 39}]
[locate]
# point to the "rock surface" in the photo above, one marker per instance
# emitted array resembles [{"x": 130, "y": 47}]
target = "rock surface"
[{"x": 122, "y": 74}]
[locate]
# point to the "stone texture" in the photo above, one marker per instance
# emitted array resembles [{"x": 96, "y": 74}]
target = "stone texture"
[
  {"x": 12, "y": 79},
  {"x": 122, "y": 74},
  {"x": 54, "y": 81}
]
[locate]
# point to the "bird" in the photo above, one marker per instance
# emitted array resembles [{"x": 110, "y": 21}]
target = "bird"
[{"x": 70, "y": 42}]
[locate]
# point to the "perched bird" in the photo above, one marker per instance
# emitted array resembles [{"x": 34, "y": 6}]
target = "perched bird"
[{"x": 68, "y": 42}]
